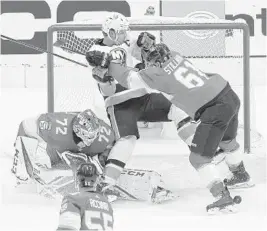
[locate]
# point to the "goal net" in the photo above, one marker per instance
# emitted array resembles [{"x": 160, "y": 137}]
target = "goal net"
[{"x": 213, "y": 46}]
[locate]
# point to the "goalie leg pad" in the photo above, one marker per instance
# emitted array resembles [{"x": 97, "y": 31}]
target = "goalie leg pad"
[
  {"x": 19, "y": 165},
  {"x": 144, "y": 185},
  {"x": 36, "y": 153}
]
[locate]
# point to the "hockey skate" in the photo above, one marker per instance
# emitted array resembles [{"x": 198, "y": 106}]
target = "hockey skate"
[
  {"x": 224, "y": 203},
  {"x": 239, "y": 178}
]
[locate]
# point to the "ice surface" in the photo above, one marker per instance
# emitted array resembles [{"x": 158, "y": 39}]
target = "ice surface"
[
  {"x": 21, "y": 211},
  {"x": 33, "y": 212}
]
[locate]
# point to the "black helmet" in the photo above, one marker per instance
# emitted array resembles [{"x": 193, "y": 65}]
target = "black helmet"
[{"x": 87, "y": 176}]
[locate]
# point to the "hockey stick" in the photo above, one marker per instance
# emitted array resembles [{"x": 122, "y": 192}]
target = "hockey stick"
[{"x": 42, "y": 50}]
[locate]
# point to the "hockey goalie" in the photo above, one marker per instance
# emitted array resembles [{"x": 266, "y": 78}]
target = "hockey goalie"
[{"x": 49, "y": 146}]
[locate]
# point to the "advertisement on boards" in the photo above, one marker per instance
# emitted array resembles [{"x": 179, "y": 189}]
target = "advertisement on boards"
[{"x": 28, "y": 20}]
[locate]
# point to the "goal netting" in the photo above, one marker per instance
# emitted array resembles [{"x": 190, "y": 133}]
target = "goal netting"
[{"x": 217, "y": 46}]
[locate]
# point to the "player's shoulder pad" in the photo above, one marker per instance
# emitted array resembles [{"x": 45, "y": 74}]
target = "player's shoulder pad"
[{"x": 118, "y": 55}]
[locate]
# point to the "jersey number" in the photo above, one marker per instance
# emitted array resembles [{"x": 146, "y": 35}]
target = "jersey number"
[
  {"x": 104, "y": 133},
  {"x": 96, "y": 220},
  {"x": 62, "y": 130},
  {"x": 185, "y": 76}
]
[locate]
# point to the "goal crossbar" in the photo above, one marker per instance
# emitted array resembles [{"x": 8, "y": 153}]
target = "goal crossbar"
[{"x": 190, "y": 25}]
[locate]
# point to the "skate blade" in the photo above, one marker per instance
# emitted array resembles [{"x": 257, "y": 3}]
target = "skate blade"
[
  {"x": 248, "y": 184},
  {"x": 226, "y": 210}
]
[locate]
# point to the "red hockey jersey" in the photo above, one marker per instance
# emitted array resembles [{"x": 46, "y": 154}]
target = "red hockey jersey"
[
  {"x": 189, "y": 88},
  {"x": 56, "y": 130},
  {"x": 184, "y": 85},
  {"x": 85, "y": 211}
]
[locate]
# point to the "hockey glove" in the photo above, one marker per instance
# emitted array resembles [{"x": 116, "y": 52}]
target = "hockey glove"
[
  {"x": 98, "y": 58},
  {"x": 100, "y": 75},
  {"x": 146, "y": 41},
  {"x": 140, "y": 66}
]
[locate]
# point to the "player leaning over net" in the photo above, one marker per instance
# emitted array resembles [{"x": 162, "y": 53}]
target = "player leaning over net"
[
  {"x": 208, "y": 98},
  {"x": 49, "y": 145},
  {"x": 87, "y": 209}
]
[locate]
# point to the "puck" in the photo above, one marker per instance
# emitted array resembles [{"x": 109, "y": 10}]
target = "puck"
[{"x": 237, "y": 199}]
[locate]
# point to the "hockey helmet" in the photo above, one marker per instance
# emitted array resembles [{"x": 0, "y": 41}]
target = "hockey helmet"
[
  {"x": 86, "y": 126},
  {"x": 157, "y": 56},
  {"x": 87, "y": 177},
  {"x": 117, "y": 23}
]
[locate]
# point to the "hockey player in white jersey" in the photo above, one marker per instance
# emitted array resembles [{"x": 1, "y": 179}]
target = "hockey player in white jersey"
[{"x": 125, "y": 106}]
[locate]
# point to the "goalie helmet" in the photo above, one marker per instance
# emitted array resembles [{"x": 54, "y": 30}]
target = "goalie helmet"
[
  {"x": 117, "y": 23},
  {"x": 87, "y": 177},
  {"x": 86, "y": 126}
]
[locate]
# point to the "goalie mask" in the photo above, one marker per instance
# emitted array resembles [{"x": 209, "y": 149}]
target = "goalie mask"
[
  {"x": 87, "y": 177},
  {"x": 157, "y": 55},
  {"x": 86, "y": 126},
  {"x": 116, "y": 26}
]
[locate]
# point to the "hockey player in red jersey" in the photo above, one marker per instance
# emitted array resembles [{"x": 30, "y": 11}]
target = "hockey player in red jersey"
[
  {"x": 204, "y": 97},
  {"x": 88, "y": 209},
  {"x": 50, "y": 144},
  {"x": 56, "y": 137}
]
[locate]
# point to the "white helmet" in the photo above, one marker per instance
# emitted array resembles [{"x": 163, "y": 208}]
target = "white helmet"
[{"x": 117, "y": 22}]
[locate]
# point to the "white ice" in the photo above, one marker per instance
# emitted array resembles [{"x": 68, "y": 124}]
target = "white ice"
[{"x": 22, "y": 211}]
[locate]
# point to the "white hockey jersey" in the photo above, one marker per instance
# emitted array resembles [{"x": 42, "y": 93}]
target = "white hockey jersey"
[{"x": 128, "y": 54}]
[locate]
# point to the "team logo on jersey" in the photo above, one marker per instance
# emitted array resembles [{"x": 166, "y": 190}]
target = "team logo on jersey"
[
  {"x": 44, "y": 125},
  {"x": 118, "y": 55}
]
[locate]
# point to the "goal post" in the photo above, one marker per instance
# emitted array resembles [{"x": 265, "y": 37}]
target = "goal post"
[{"x": 163, "y": 24}]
